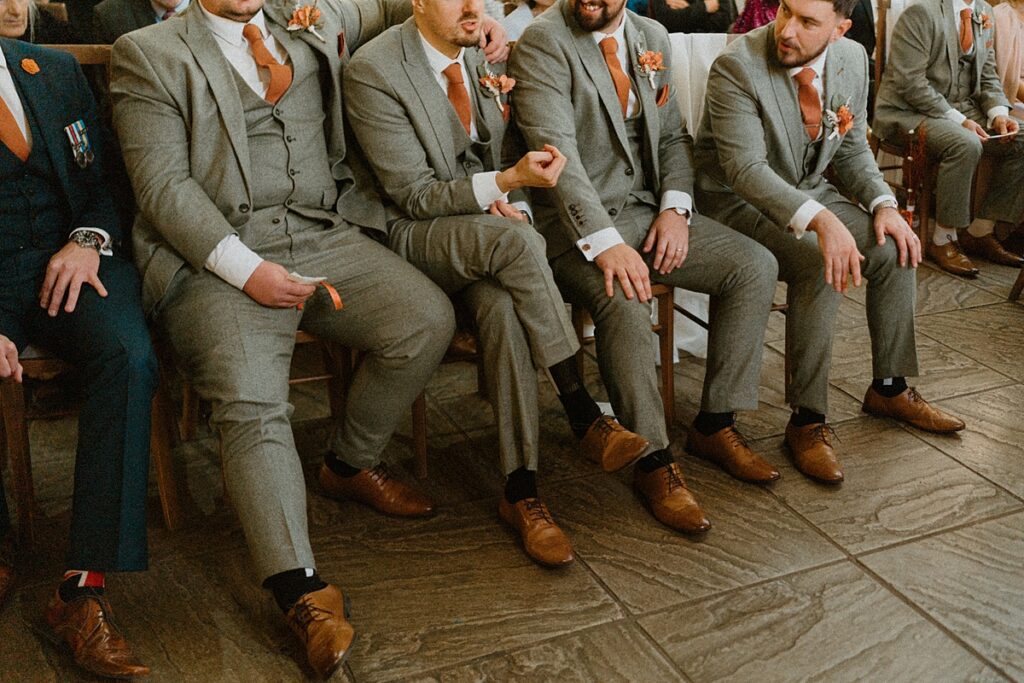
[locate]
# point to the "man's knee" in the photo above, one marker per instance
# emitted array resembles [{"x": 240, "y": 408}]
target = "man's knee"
[
  {"x": 430, "y": 323},
  {"x": 965, "y": 146}
]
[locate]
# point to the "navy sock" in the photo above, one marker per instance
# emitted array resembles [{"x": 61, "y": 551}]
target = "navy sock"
[
  {"x": 802, "y": 417},
  {"x": 340, "y": 467},
  {"x": 652, "y": 461},
  {"x": 520, "y": 485},
  {"x": 709, "y": 423},
  {"x": 896, "y": 386},
  {"x": 291, "y": 585}
]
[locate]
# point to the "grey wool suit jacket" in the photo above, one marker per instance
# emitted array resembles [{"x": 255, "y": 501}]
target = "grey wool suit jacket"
[
  {"x": 410, "y": 133},
  {"x": 751, "y": 146},
  {"x": 179, "y": 118},
  {"x": 918, "y": 79},
  {"x": 113, "y": 18},
  {"x": 564, "y": 96}
]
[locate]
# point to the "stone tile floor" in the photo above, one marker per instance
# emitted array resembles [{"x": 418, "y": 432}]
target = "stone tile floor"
[{"x": 912, "y": 570}]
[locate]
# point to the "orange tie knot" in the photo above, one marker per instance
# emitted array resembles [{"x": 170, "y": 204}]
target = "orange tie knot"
[
  {"x": 251, "y": 32},
  {"x": 609, "y": 46},
  {"x": 806, "y": 76},
  {"x": 453, "y": 72}
]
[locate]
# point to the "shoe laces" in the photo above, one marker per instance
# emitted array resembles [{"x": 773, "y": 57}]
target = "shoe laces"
[
  {"x": 306, "y": 613},
  {"x": 673, "y": 477},
  {"x": 736, "y": 438},
  {"x": 825, "y": 433},
  {"x": 536, "y": 510},
  {"x": 379, "y": 474},
  {"x": 916, "y": 397}
]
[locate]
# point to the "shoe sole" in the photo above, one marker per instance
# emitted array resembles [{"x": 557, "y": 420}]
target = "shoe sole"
[
  {"x": 689, "y": 450},
  {"x": 340, "y": 666}
]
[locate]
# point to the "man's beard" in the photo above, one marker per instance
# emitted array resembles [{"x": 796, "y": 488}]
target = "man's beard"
[
  {"x": 791, "y": 57},
  {"x": 588, "y": 24}
]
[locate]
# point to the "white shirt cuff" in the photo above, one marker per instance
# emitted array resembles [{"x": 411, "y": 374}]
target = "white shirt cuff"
[
  {"x": 593, "y": 245},
  {"x": 803, "y": 216},
  {"x": 232, "y": 261},
  {"x": 525, "y": 208},
  {"x": 674, "y": 199},
  {"x": 879, "y": 199},
  {"x": 105, "y": 248},
  {"x": 998, "y": 110},
  {"x": 955, "y": 116},
  {"x": 485, "y": 189}
]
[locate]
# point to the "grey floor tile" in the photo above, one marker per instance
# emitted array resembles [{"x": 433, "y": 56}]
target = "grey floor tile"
[
  {"x": 648, "y": 565},
  {"x": 996, "y": 279},
  {"x": 990, "y": 335},
  {"x": 897, "y": 487},
  {"x": 830, "y": 624},
  {"x": 971, "y": 581}
]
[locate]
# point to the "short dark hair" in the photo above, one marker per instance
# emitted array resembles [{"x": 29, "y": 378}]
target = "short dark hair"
[{"x": 844, "y": 8}]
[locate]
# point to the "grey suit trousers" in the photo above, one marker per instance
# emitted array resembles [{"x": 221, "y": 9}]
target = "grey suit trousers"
[
  {"x": 237, "y": 354},
  {"x": 740, "y": 276},
  {"x": 959, "y": 151},
  {"x": 498, "y": 267},
  {"x": 810, "y": 321}
]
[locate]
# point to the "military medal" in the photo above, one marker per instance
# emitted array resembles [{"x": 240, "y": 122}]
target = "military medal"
[{"x": 79, "y": 140}]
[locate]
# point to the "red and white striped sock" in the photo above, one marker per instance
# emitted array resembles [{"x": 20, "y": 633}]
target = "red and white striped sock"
[{"x": 79, "y": 582}]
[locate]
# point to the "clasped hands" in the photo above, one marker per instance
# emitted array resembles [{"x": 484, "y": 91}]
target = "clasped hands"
[
  {"x": 669, "y": 238},
  {"x": 534, "y": 169}
]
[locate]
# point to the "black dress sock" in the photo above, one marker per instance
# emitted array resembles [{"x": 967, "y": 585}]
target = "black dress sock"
[
  {"x": 802, "y": 417},
  {"x": 709, "y": 423},
  {"x": 654, "y": 460},
  {"x": 340, "y": 467},
  {"x": 291, "y": 585},
  {"x": 520, "y": 485},
  {"x": 895, "y": 386},
  {"x": 580, "y": 407}
]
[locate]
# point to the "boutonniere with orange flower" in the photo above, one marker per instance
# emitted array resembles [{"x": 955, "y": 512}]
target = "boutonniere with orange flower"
[
  {"x": 495, "y": 86},
  {"x": 306, "y": 18},
  {"x": 840, "y": 120},
  {"x": 986, "y": 21},
  {"x": 649, "y": 63},
  {"x": 30, "y": 66}
]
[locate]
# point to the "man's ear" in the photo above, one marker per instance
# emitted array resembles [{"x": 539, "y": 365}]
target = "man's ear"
[{"x": 841, "y": 28}]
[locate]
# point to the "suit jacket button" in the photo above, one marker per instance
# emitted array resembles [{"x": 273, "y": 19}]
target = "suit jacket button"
[
  {"x": 612, "y": 212},
  {"x": 289, "y": 138},
  {"x": 244, "y": 208},
  {"x": 277, "y": 112},
  {"x": 275, "y": 221},
  {"x": 292, "y": 171},
  {"x": 629, "y": 171}
]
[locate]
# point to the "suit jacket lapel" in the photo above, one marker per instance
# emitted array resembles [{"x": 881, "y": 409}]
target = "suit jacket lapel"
[
  {"x": 220, "y": 76},
  {"x": 636, "y": 44},
  {"x": 490, "y": 120},
  {"x": 952, "y": 38},
  {"x": 830, "y": 100},
  {"x": 787, "y": 103}
]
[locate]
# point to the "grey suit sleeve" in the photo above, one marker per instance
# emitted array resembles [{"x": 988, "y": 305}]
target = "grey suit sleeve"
[
  {"x": 364, "y": 20},
  {"x": 388, "y": 139},
  {"x": 155, "y": 145},
  {"x": 853, "y": 162},
  {"x": 543, "y": 110},
  {"x": 908, "y": 61},
  {"x": 740, "y": 142}
]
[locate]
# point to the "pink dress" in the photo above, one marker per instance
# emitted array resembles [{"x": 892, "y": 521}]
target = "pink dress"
[{"x": 756, "y": 13}]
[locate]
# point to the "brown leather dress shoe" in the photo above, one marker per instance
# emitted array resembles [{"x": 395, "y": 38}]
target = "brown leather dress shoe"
[
  {"x": 319, "y": 620},
  {"x": 988, "y": 248},
  {"x": 909, "y": 407},
  {"x": 85, "y": 625},
  {"x": 811, "y": 448},
  {"x": 542, "y": 539},
  {"x": 376, "y": 488},
  {"x": 951, "y": 259},
  {"x": 664, "y": 493},
  {"x": 729, "y": 449},
  {"x": 611, "y": 445}
]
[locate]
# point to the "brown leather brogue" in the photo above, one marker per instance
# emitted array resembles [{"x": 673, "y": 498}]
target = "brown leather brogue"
[
  {"x": 664, "y": 493},
  {"x": 319, "y": 619},
  {"x": 542, "y": 539},
  {"x": 611, "y": 445},
  {"x": 376, "y": 488},
  {"x": 812, "y": 451},
  {"x": 988, "y": 248},
  {"x": 97, "y": 646},
  {"x": 909, "y": 407},
  {"x": 729, "y": 449},
  {"x": 951, "y": 259}
]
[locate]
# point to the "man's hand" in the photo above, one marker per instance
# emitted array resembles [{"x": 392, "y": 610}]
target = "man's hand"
[
  {"x": 838, "y": 250},
  {"x": 269, "y": 285},
  {"x": 535, "y": 169},
  {"x": 670, "y": 233},
  {"x": 493, "y": 40},
  {"x": 677, "y": 4},
  {"x": 625, "y": 263},
  {"x": 1004, "y": 125},
  {"x": 975, "y": 128},
  {"x": 68, "y": 270},
  {"x": 888, "y": 221},
  {"x": 9, "y": 364},
  {"x": 502, "y": 208}
]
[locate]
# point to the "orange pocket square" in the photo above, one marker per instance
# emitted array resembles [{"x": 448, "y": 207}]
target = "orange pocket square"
[
  {"x": 506, "y": 110},
  {"x": 662, "y": 96}
]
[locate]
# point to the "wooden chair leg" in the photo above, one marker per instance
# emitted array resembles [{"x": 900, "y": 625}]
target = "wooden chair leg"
[
  {"x": 578, "y": 318},
  {"x": 161, "y": 450},
  {"x": 337, "y": 385},
  {"x": 189, "y": 412},
  {"x": 666, "y": 346},
  {"x": 419, "y": 435},
  {"x": 12, "y": 398},
  {"x": 1017, "y": 287}
]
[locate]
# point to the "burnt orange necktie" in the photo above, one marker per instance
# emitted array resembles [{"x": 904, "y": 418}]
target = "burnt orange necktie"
[
  {"x": 457, "y": 94},
  {"x": 280, "y": 74},
  {"x": 966, "y": 31},
  {"x": 610, "y": 47},
  {"x": 810, "y": 105},
  {"x": 10, "y": 133}
]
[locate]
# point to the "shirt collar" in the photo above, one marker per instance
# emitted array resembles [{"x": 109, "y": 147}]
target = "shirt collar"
[
  {"x": 818, "y": 64},
  {"x": 438, "y": 60},
  {"x": 231, "y": 31},
  {"x": 619, "y": 34}
]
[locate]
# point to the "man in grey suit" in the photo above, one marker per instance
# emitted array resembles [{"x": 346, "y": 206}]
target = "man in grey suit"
[
  {"x": 941, "y": 75},
  {"x": 784, "y": 103},
  {"x": 233, "y": 135},
  {"x": 432, "y": 126},
  {"x": 113, "y": 18},
  {"x": 592, "y": 79}
]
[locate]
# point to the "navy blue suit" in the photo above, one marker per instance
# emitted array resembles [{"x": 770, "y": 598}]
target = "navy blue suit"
[{"x": 42, "y": 199}]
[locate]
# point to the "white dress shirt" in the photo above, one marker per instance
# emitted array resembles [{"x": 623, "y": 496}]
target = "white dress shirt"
[
  {"x": 952, "y": 114},
  {"x": 594, "y": 244},
  {"x": 10, "y": 96},
  {"x": 809, "y": 209}
]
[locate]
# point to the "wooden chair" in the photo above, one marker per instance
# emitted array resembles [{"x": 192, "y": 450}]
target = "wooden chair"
[
  {"x": 15, "y": 445},
  {"x": 1018, "y": 286},
  {"x": 56, "y": 10}
]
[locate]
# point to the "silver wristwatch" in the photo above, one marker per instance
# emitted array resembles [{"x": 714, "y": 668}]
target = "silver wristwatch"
[
  {"x": 682, "y": 212},
  {"x": 887, "y": 204},
  {"x": 87, "y": 238}
]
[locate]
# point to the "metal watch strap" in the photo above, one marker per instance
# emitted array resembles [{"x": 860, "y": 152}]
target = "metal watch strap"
[{"x": 87, "y": 238}]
